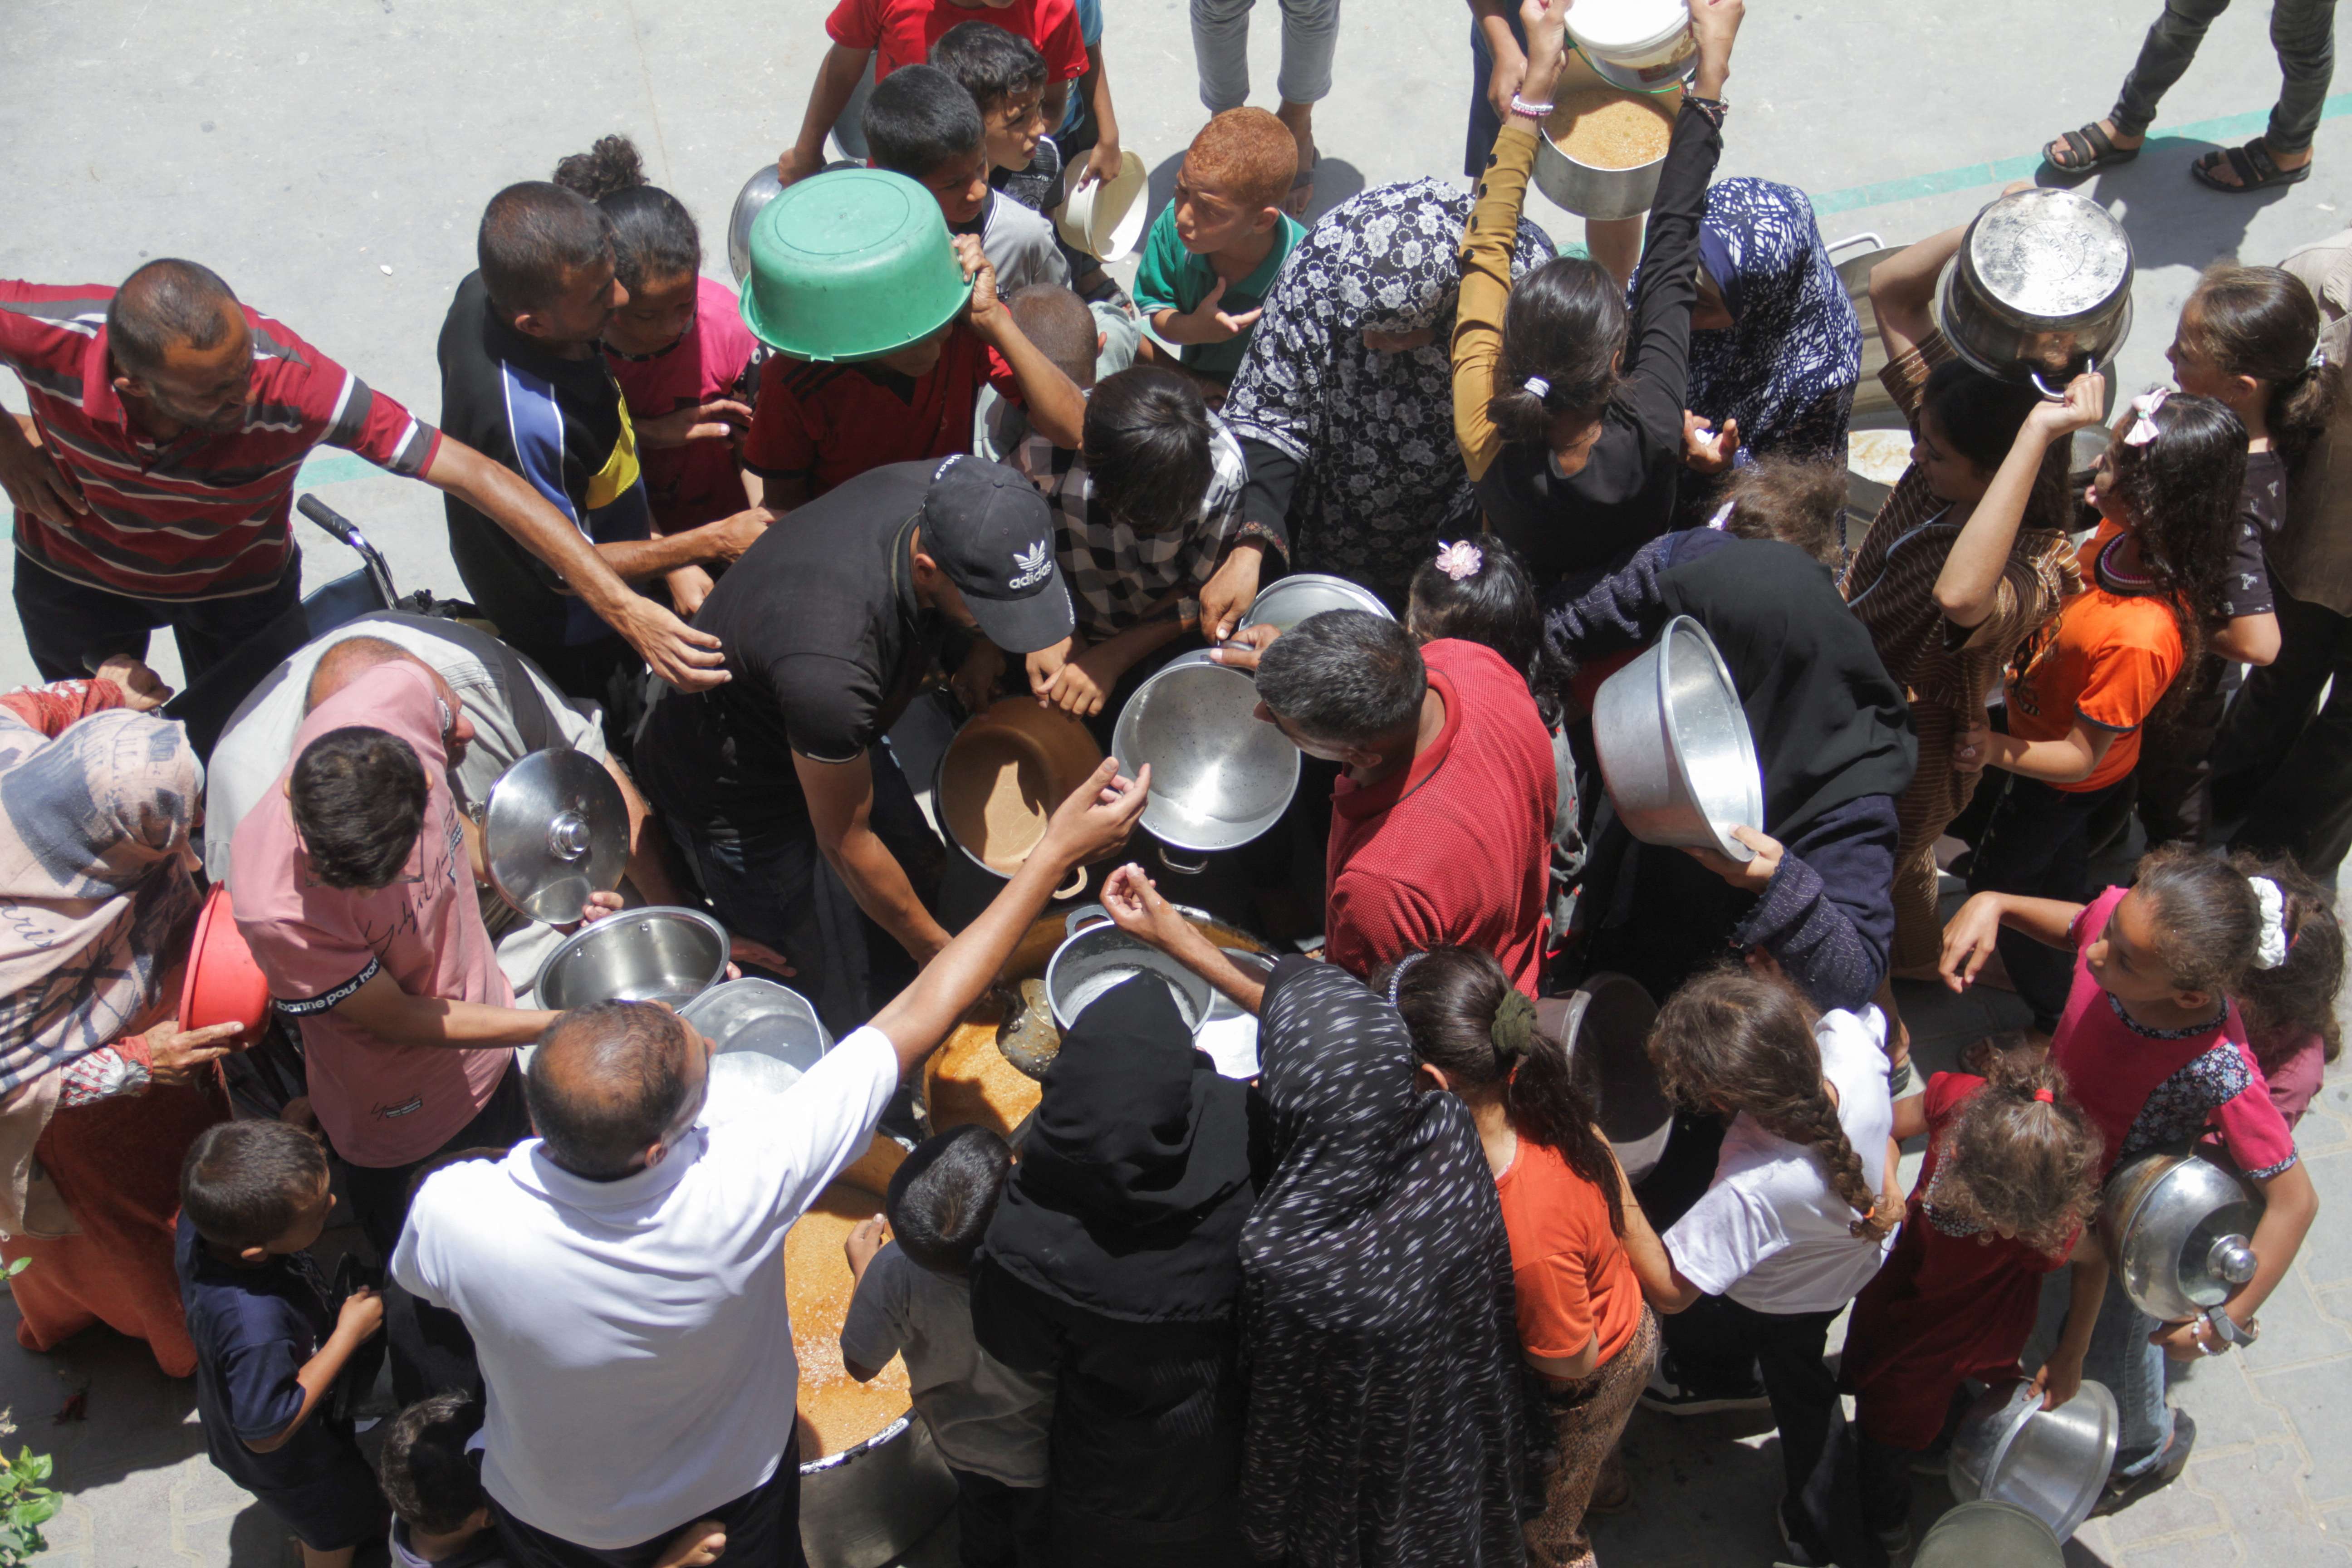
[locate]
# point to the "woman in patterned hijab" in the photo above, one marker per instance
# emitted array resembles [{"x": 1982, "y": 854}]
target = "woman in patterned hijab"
[
  {"x": 1391, "y": 1418},
  {"x": 1345, "y": 404}
]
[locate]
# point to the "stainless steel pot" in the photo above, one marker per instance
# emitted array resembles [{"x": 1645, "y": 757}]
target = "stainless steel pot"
[
  {"x": 2051, "y": 1463},
  {"x": 2039, "y": 289},
  {"x": 659, "y": 955},
  {"x": 1988, "y": 1535},
  {"x": 2176, "y": 1225},
  {"x": 1101, "y": 957},
  {"x": 868, "y": 1505},
  {"x": 1675, "y": 755},
  {"x": 1605, "y": 1024},
  {"x": 762, "y": 188},
  {"x": 1290, "y": 600},
  {"x": 1220, "y": 776},
  {"x": 1591, "y": 192},
  {"x": 760, "y": 1030}
]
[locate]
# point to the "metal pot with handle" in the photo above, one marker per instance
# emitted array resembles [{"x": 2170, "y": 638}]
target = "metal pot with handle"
[
  {"x": 1001, "y": 777},
  {"x": 2039, "y": 290},
  {"x": 2178, "y": 1226},
  {"x": 1220, "y": 776}
]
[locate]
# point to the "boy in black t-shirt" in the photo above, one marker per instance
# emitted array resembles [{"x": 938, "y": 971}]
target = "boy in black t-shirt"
[{"x": 253, "y": 1198}]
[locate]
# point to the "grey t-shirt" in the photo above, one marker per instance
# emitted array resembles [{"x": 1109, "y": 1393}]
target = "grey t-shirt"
[{"x": 986, "y": 1417}]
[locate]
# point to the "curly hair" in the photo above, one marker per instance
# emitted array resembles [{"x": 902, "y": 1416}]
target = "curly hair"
[
  {"x": 1459, "y": 1007},
  {"x": 2014, "y": 1162},
  {"x": 2285, "y": 1004},
  {"x": 2179, "y": 494},
  {"x": 1736, "y": 1041}
]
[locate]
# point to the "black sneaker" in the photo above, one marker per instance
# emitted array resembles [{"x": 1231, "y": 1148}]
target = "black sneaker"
[
  {"x": 1666, "y": 1393},
  {"x": 2121, "y": 1494}
]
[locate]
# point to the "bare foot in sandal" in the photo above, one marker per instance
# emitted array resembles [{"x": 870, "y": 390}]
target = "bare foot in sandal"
[
  {"x": 1299, "y": 118},
  {"x": 2098, "y": 145},
  {"x": 2252, "y": 167}
]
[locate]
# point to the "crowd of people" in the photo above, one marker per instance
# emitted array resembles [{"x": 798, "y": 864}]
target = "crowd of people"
[{"x": 1392, "y": 1299}]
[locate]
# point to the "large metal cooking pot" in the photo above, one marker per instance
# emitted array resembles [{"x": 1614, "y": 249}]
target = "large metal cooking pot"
[
  {"x": 1287, "y": 601},
  {"x": 1605, "y": 1024},
  {"x": 1001, "y": 777},
  {"x": 1988, "y": 1535},
  {"x": 2051, "y": 1463},
  {"x": 1594, "y": 192},
  {"x": 1220, "y": 776},
  {"x": 2039, "y": 289},
  {"x": 663, "y": 954},
  {"x": 868, "y": 1504},
  {"x": 2176, "y": 1224},
  {"x": 1675, "y": 753},
  {"x": 1101, "y": 957}
]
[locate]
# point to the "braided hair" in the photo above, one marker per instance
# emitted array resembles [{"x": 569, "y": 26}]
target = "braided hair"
[
  {"x": 1468, "y": 1021},
  {"x": 1732, "y": 1040}
]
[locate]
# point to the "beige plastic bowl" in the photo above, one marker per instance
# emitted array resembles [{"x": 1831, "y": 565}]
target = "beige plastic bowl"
[{"x": 1106, "y": 219}]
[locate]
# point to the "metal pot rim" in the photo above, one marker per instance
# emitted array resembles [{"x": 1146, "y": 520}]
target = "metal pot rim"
[
  {"x": 857, "y": 1451},
  {"x": 1729, "y": 847},
  {"x": 579, "y": 938},
  {"x": 1121, "y": 733}
]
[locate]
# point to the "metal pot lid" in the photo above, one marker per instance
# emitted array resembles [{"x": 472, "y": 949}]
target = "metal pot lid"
[
  {"x": 2048, "y": 256},
  {"x": 554, "y": 830}
]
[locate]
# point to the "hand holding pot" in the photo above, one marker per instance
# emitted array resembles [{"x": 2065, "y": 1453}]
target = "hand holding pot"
[
  {"x": 1135, "y": 906},
  {"x": 1546, "y": 24},
  {"x": 1095, "y": 819}
]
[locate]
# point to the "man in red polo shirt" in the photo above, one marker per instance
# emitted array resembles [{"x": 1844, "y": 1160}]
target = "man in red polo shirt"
[
  {"x": 1441, "y": 824},
  {"x": 171, "y": 423}
]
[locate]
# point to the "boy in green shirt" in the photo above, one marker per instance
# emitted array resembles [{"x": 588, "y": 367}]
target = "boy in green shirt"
[{"x": 1214, "y": 251}]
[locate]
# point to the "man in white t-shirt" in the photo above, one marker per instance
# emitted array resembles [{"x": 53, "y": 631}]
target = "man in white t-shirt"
[
  {"x": 621, "y": 1273},
  {"x": 1764, "y": 1261}
]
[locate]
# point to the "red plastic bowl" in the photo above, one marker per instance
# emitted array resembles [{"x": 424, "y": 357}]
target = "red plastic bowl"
[{"x": 224, "y": 984}]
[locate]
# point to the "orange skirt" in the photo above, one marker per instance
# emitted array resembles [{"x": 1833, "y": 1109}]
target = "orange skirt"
[{"x": 117, "y": 1166}]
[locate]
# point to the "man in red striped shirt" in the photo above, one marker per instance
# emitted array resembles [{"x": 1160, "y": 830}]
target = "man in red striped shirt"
[{"x": 170, "y": 421}]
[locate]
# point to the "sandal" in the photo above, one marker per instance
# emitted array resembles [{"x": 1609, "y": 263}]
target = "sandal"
[
  {"x": 1302, "y": 187},
  {"x": 2254, "y": 165},
  {"x": 2088, "y": 151}
]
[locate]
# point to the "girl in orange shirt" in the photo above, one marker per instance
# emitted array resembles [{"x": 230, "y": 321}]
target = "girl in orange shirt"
[
  {"x": 2167, "y": 494},
  {"x": 1583, "y": 1324}
]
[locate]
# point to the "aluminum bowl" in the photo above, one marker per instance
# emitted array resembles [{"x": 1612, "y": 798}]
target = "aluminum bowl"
[
  {"x": 2051, "y": 1463},
  {"x": 659, "y": 954},
  {"x": 1675, "y": 755},
  {"x": 2039, "y": 289},
  {"x": 1287, "y": 601},
  {"x": 1101, "y": 957},
  {"x": 1587, "y": 189},
  {"x": 765, "y": 1034},
  {"x": 868, "y": 1504},
  {"x": 1220, "y": 776},
  {"x": 1984, "y": 1532},
  {"x": 762, "y": 188}
]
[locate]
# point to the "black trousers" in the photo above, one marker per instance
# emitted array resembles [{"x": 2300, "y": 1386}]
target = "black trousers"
[
  {"x": 998, "y": 1526},
  {"x": 763, "y": 1531},
  {"x": 1715, "y": 1342},
  {"x": 69, "y": 627},
  {"x": 2038, "y": 844},
  {"x": 2175, "y": 774},
  {"x": 2284, "y": 763}
]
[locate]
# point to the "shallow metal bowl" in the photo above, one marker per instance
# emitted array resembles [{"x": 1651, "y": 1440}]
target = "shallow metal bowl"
[
  {"x": 1290, "y": 600},
  {"x": 659, "y": 954},
  {"x": 1220, "y": 776},
  {"x": 1675, "y": 753},
  {"x": 1988, "y": 1534},
  {"x": 2051, "y": 1463}
]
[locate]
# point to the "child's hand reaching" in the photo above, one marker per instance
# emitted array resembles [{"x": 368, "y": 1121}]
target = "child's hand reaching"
[
  {"x": 1752, "y": 874},
  {"x": 361, "y": 1316},
  {"x": 1971, "y": 940},
  {"x": 2060, "y": 1379},
  {"x": 1046, "y": 663},
  {"x": 864, "y": 1241},
  {"x": 1706, "y": 449},
  {"x": 2085, "y": 404},
  {"x": 699, "y": 1545},
  {"x": 987, "y": 311}
]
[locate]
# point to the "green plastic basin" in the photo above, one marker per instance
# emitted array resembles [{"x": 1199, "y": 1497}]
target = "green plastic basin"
[{"x": 849, "y": 265}]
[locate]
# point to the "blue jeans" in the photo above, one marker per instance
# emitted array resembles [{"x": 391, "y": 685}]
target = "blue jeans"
[
  {"x": 772, "y": 882},
  {"x": 2120, "y": 1357}
]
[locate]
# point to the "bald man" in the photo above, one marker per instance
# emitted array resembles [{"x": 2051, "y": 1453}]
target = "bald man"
[{"x": 152, "y": 480}]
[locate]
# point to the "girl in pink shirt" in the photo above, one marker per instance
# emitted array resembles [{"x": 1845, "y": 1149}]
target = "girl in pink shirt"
[{"x": 2290, "y": 1007}]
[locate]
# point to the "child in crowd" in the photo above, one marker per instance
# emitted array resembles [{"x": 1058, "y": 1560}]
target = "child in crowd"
[
  {"x": 2245, "y": 340},
  {"x": 1798, "y": 1217},
  {"x": 1006, "y": 77},
  {"x": 686, "y": 362},
  {"x": 816, "y": 425},
  {"x": 892, "y": 33},
  {"x": 2154, "y": 1053},
  {"x": 1146, "y": 514},
  {"x": 914, "y": 1298},
  {"x": 924, "y": 124},
  {"x": 2289, "y": 1007},
  {"x": 2005, "y": 1194},
  {"x": 1213, "y": 251},
  {"x": 1796, "y": 502},
  {"x": 254, "y": 1197},
  {"x": 1583, "y": 1325},
  {"x": 2166, "y": 493},
  {"x": 441, "y": 1516}
]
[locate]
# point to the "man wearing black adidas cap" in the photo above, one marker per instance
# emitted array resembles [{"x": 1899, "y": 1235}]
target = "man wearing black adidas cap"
[{"x": 776, "y": 784}]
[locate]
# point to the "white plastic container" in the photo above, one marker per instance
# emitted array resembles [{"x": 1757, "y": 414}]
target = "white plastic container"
[{"x": 1638, "y": 44}]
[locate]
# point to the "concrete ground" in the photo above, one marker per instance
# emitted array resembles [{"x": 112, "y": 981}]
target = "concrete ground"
[{"x": 330, "y": 161}]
